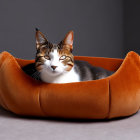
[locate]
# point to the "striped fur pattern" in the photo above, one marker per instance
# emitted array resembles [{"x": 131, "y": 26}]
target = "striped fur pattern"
[{"x": 54, "y": 63}]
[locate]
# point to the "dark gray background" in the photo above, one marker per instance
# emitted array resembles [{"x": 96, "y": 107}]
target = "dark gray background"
[
  {"x": 132, "y": 25},
  {"x": 102, "y": 27}
]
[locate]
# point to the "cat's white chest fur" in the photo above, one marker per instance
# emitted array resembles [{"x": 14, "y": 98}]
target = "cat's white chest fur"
[{"x": 67, "y": 77}]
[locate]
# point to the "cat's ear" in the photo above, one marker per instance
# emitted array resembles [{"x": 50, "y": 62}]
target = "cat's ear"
[
  {"x": 68, "y": 40},
  {"x": 40, "y": 38}
]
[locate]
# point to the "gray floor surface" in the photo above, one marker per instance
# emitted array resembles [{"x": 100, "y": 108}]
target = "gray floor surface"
[{"x": 13, "y": 127}]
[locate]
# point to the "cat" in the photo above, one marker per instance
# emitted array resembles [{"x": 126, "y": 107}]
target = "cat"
[{"x": 54, "y": 63}]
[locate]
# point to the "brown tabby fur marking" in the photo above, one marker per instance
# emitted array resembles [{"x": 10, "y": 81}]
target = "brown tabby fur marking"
[{"x": 45, "y": 47}]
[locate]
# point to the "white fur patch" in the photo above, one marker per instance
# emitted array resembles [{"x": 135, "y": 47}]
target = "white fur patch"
[
  {"x": 67, "y": 77},
  {"x": 59, "y": 75}
]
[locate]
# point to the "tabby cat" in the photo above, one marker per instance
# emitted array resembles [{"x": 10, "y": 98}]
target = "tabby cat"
[{"x": 54, "y": 63}]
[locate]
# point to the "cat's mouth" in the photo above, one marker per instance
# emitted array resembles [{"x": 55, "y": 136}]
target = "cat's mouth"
[{"x": 54, "y": 71}]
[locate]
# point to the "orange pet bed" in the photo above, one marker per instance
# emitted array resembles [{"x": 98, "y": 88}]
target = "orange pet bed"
[{"x": 115, "y": 96}]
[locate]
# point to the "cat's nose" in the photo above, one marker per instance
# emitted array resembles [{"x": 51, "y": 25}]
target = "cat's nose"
[{"x": 53, "y": 67}]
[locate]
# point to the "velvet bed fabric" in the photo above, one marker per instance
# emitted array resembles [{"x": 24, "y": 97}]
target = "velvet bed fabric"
[{"x": 115, "y": 96}]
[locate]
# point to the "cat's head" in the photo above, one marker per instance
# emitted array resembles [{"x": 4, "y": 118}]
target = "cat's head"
[{"x": 55, "y": 59}]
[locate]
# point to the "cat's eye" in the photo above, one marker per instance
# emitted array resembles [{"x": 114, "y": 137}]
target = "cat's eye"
[
  {"x": 47, "y": 57},
  {"x": 62, "y": 57},
  {"x": 68, "y": 58}
]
